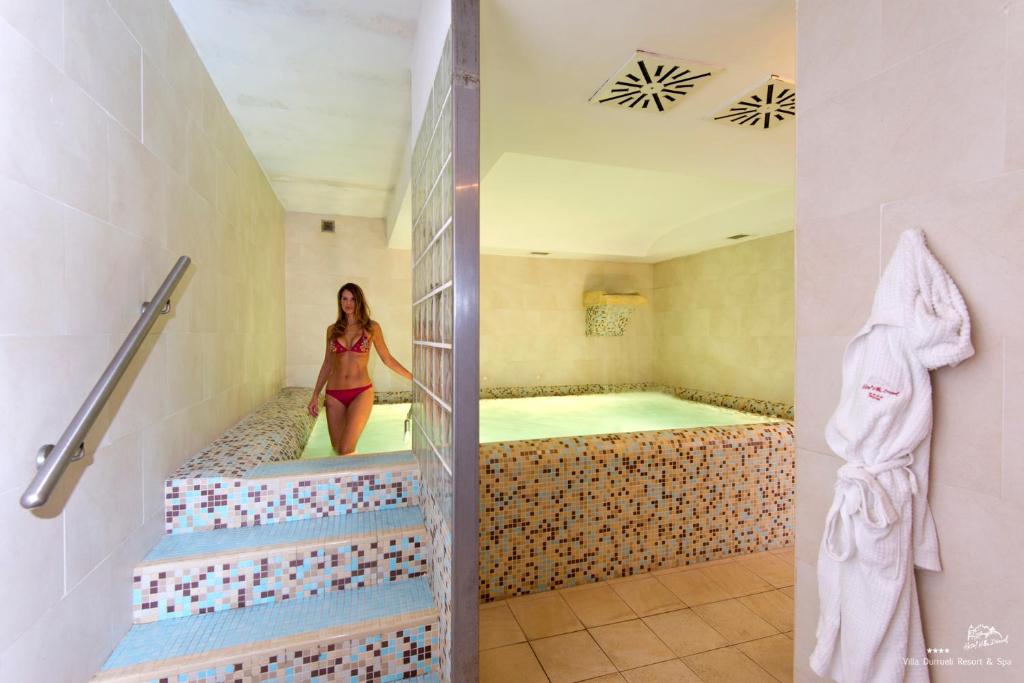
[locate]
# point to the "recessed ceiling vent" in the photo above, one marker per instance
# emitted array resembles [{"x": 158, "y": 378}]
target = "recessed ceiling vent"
[
  {"x": 768, "y": 105},
  {"x": 652, "y": 81},
  {"x": 737, "y": 237},
  {"x": 326, "y": 225}
]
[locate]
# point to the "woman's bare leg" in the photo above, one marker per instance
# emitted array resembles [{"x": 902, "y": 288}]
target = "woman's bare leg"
[
  {"x": 336, "y": 412},
  {"x": 355, "y": 420}
]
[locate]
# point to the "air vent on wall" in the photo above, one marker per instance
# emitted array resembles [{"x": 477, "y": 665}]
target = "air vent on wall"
[
  {"x": 769, "y": 104},
  {"x": 652, "y": 81},
  {"x": 326, "y": 226},
  {"x": 737, "y": 237},
  {"x": 540, "y": 253}
]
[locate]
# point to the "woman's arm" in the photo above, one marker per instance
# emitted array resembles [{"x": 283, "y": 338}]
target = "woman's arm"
[
  {"x": 321, "y": 380},
  {"x": 385, "y": 354}
]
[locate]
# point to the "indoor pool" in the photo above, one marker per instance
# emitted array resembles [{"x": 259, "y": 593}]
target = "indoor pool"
[{"x": 516, "y": 419}]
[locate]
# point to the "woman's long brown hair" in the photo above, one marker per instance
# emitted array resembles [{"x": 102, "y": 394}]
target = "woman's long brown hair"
[{"x": 361, "y": 313}]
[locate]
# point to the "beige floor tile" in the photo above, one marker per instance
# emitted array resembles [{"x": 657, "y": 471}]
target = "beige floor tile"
[
  {"x": 498, "y": 627},
  {"x": 544, "y": 615},
  {"x": 787, "y": 555},
  {"x": 672, "y": 671},
  {"x": 775, "y": 607},
  {"x": 790, "y": 591},
  {"x": 511, "y": 664},
  {"x": 774, "y": 655},
  {"x": 738, "y": 580},
  {"x": 630, "y": 644},
  {"x": 734, "y": 621},
  {"x": 771, "y": 568},
  {"x": 685, "y": 633},
  {"x": 727, "y": 665},
  {"x": 647, "y": 596},
  {"x": 610, "y": 678},
  {"x": 697, "y": 565},
  {"x": 572, "y": 657},
  {"x": 695, "y": 587},
  {"x": 598, "y": 606}
]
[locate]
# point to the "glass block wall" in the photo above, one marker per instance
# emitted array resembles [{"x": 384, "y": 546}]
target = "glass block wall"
[{"x": 433, "y": 337}]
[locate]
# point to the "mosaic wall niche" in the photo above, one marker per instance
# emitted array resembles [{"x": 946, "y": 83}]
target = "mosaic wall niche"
[
  {"x": 608, "y": 314},
  {"x": 565, "y": 511}
]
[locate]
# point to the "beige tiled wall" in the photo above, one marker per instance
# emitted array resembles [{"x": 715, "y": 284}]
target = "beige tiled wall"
[
  {"x": 317, "y": 264},
  {"x": 532, "y": 323},
  {"x": 875, "y": 156},
  {"x": 531, "y": 309},
  {"x": 116, "y": 156},
  {"x": 723, "y": 319}
]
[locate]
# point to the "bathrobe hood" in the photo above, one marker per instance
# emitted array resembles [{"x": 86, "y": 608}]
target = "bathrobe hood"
[
  {"x": 917, "y": 295},
  {"x": 879, "y": 525}
]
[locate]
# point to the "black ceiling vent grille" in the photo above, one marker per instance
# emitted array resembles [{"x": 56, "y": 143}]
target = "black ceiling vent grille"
[
  {"x": 768, "y": 105},
  {"x": 653, "y": 82},
  {"x": 326, "y": 225}
]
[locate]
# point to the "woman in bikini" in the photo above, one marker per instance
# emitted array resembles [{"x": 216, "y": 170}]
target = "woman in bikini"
[{"x": 344, "y": 371}]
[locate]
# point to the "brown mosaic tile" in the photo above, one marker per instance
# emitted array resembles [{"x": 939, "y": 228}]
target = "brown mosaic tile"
[{"x": 565, "y": 511}]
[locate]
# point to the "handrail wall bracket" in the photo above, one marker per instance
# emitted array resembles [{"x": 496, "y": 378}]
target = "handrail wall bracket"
[{"x": 53, "y": 459}]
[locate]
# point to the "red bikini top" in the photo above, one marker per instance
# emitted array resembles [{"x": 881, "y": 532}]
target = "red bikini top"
[{"x": 362, "y": 345}]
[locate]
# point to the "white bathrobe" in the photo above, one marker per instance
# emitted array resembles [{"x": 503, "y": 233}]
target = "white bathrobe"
[{"x": 879, "y": 526}]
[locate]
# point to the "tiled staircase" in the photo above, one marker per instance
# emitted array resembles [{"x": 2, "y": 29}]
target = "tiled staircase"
[{"x": 303, "y": 570}]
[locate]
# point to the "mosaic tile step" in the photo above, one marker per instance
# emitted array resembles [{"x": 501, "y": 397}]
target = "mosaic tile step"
[
  {"x": 290, "y": 491},
  {"x": 380, "y": 633},
  {"x": 213, "y": 571}
]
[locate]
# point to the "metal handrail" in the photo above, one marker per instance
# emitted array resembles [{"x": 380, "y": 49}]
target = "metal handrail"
[{"x": 52, "y": 460}]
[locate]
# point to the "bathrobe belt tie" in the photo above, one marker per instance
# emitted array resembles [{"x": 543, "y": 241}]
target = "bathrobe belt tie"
[{"x": 858, "y": 491}]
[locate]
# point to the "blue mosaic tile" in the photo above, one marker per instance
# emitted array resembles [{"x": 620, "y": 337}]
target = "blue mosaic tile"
[
  {"x": 345, "y": 463},
  {"x": 161, "y": 640},
  {"x": 173, "y": 546}
]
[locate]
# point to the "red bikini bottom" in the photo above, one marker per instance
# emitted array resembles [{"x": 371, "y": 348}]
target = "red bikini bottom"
[{"x": 346, "y": 396}]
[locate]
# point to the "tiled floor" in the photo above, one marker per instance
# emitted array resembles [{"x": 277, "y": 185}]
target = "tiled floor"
[{"x": 728, "y": 621}]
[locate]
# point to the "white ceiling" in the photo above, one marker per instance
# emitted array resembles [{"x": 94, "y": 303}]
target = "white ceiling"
[
  {"x": 319, "y": 88},
  {"x": 578, "y": 179}
]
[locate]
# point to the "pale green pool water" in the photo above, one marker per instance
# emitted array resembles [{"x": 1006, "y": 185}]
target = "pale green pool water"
[{"x": 515, "y": 419}]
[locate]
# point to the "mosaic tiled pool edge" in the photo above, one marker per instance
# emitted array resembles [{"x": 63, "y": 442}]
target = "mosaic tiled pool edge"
[
  {"x": 278, "y": 430},
  {"x": 564, "y": 511},
  {"x": 220, "y": 503},
  {"x": 749, "y": 405},
  {"x": 185, "y": 587}
]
